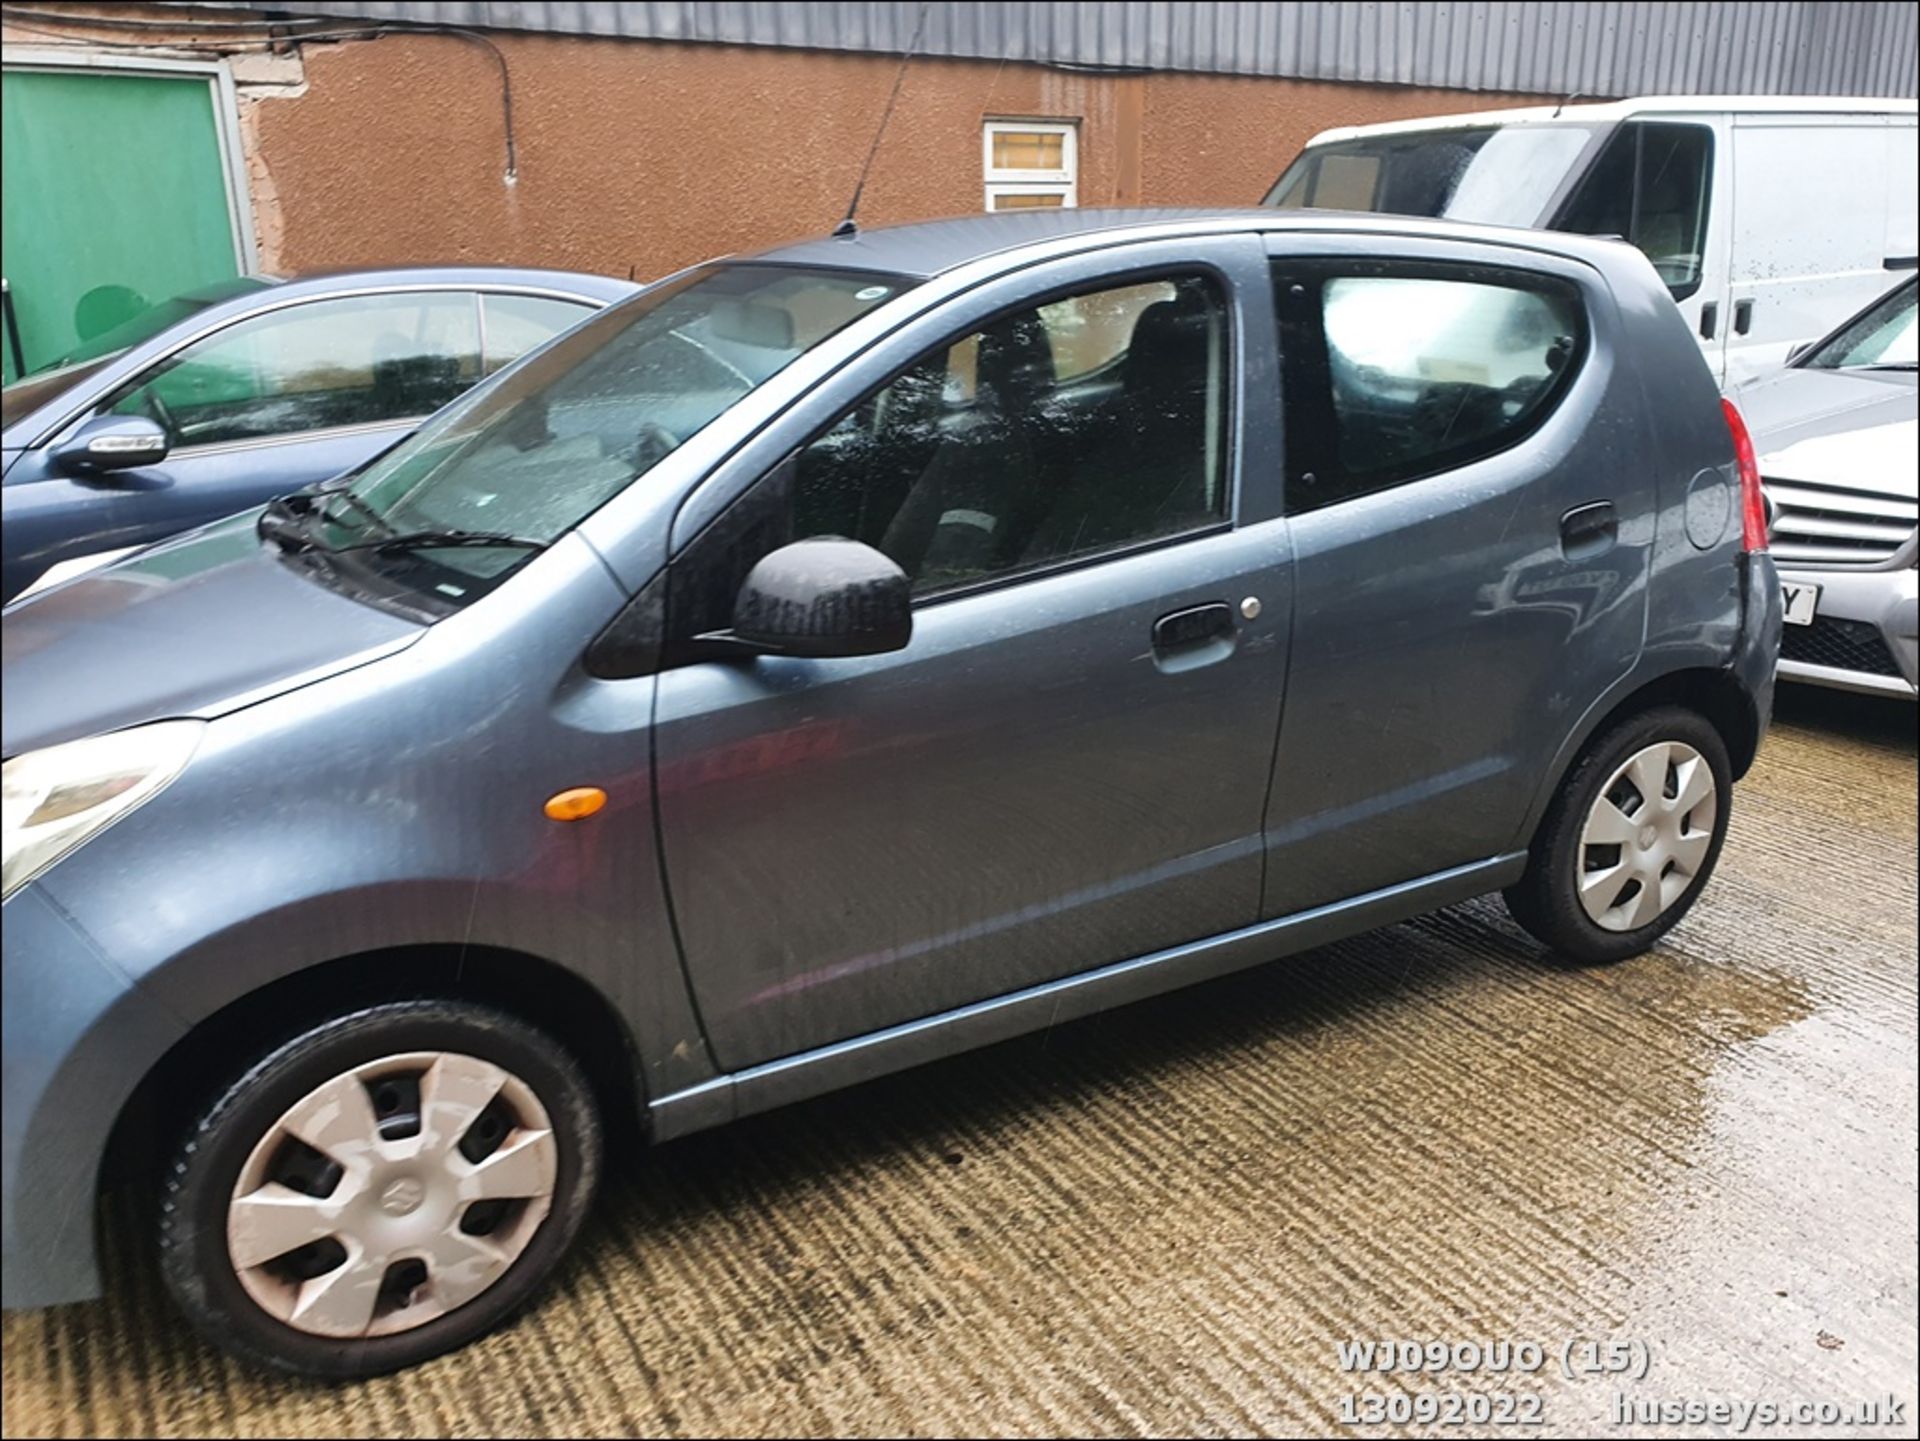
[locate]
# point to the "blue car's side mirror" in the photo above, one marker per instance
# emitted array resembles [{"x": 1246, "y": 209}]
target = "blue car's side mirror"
[{"x": 112, "y": 442}]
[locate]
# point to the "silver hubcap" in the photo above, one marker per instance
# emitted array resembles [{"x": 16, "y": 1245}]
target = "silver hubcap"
[
  {"x": 392, "y": 1194},
  {"x": 1647, "y": 836}
]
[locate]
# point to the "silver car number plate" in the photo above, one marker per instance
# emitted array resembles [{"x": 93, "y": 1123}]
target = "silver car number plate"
[{"x": 1800, "y": 601}]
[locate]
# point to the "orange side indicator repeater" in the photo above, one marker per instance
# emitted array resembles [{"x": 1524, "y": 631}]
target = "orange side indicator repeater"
[{"x": 576, "y": 804}]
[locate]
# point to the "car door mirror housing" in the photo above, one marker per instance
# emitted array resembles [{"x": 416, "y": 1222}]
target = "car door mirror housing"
[
  {"x": 822, "y": 598},
  {"x": 112, "y": 442}
]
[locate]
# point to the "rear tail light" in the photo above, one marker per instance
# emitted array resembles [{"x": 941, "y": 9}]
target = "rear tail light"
[{"x": 1753, "y": 505}]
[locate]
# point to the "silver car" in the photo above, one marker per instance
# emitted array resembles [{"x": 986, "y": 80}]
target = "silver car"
[{"x": 1836, "y": 436}]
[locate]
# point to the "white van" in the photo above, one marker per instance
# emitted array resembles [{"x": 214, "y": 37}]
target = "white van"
[{"x": 1770, "y": 218}]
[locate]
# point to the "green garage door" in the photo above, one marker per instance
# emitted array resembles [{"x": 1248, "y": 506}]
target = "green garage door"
[{"x": 113, "y": 197}]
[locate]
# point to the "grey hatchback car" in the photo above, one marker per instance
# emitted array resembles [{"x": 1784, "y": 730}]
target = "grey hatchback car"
[{"x": 826, "y": 661}]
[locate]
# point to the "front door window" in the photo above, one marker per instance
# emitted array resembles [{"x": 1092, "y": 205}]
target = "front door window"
[{"x": 322, "y": 365}]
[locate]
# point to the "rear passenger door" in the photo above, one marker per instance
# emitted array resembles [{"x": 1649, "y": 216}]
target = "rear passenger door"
[
  {"x": 1471, "y": 508},
  {"x": 1067, "y": 765}
]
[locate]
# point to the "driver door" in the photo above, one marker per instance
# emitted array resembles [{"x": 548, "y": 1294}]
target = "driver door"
[{"x": 1066, "y": 766}]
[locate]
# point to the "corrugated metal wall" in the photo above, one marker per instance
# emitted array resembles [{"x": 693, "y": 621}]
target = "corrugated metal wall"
[{"x": 1588, "y": 47}]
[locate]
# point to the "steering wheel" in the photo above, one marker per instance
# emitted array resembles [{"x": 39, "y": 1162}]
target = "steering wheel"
[
  {"x": 655, "y": 444},
  {"x": 157, "y": 408}
]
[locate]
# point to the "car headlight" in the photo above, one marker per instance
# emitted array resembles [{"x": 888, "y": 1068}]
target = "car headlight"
[{"x": 58, "y": 797}]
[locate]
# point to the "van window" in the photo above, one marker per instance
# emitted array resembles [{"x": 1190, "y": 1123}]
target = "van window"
[
  {"x": 1391, "y": 375},
  {"x": 1650, "y": 186},
  {"x": 1495, "y": 174}
]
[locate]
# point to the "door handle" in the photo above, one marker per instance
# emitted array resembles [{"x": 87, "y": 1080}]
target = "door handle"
[
  {"x": 1742, "y": 316},
  {"x": 1190, "y": 627},
  {"x": 1588, "y": 530},
  {"x": 1709, "y": 319}
]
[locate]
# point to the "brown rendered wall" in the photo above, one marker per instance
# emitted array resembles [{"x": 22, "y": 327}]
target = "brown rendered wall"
[{"x": 653, "y": 155}]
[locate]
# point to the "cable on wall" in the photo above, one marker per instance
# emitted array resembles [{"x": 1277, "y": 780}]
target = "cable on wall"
[{"x": 13, "y": 15}]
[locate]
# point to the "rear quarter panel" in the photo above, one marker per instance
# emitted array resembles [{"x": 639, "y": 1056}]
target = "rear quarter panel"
[{"x": 1696, "y": 606}]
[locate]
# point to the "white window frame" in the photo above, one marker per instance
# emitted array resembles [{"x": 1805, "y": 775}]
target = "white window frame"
[{"x": 1064, "y": 182}]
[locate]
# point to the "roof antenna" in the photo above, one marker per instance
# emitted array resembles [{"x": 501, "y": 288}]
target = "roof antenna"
[
  {"x": 1577, "y": 95},
  {"x": 846, "y": 229}
]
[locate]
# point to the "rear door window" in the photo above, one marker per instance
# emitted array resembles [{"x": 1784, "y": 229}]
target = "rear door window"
[
  {"x": 1650, "y": 186},
  {"x": 511, "y": 325},
  {"x": 1391, "y": 376}
]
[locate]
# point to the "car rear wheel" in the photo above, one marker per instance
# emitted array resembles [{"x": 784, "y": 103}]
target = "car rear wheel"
[
  {"x": 387, "y": 1186},
  {"x": 1628, "y": 845}
]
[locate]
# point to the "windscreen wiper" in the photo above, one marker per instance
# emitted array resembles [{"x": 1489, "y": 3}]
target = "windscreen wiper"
[
  {"x": 284, "y": 524},
  {"x": 353, "y": 502},
  {"x": 286, "y": 518},
  {"x": 449, "y": 539}
]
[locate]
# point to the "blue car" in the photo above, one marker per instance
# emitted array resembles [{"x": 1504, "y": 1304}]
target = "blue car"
[
  {"x": 223, "y": 398},
  {"x": 823, "y": 662}
]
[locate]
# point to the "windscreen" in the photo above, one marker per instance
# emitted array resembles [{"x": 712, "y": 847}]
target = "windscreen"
[
  {"x": 1881, "y": 339},
  {"x": 1495, "y": 175},
  {"x": 523, "y": 458}
]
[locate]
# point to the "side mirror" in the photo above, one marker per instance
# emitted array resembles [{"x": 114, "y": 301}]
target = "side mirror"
[
  {"x": 822, "y": 598},
  {"x": 112, "y": 442}
]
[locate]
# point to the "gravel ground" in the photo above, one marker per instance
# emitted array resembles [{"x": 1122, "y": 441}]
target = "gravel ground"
[{"x": 1164, "y": 1220}]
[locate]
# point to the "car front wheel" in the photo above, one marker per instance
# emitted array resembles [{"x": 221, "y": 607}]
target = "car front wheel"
[{"x": 386, "y": 1186}]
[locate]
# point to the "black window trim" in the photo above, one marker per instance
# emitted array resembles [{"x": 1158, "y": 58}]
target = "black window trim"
[{"x": 1308, "y": 454}]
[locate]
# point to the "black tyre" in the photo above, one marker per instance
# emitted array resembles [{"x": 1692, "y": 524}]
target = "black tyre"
[
  {"x": 1629, "y": 843},
  {"x": 386, "y": 1186}
]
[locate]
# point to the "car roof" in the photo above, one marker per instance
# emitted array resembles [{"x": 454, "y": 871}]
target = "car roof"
[
  {"x": 1615, "y": 110},
  {"x": 604, "y": 288},
  {"x": 931, "y": 248}
]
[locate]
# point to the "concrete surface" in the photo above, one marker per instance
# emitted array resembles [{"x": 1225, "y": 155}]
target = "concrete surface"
[{"x": 1164, "y": 1220}]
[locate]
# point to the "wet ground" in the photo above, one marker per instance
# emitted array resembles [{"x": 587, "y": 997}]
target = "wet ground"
[{"x": 1165, "y": 1220}]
